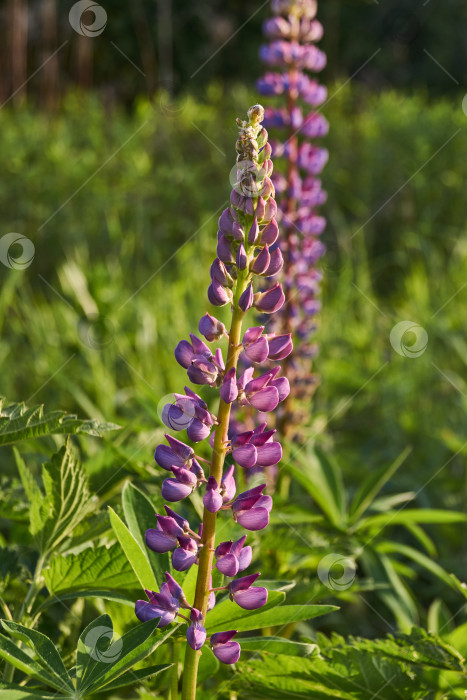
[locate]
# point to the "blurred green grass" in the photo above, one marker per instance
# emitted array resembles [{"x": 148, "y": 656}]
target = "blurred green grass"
[{"x": 122, "y": 210}]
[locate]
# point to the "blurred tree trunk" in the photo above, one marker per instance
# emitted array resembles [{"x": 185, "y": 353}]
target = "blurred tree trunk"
[
  {"x": 145, "y": 43},
  {"x": 19, "y": 48},
  {"x": 5, "y": 61},
  {"x": 332, "y": 34},
  {"x": 165, "y": 44},
  {"x": 84, "y": 61},
  {"x": 49, "y": 91}
]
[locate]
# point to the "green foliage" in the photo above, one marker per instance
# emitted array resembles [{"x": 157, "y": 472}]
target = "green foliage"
[
  {"x": 100, "y": 571},
  {"x": 119, "y": 290},
  {"x": 102, "y": 662},
  {"x": 18, "y": 422},
  {"x": 134, "y": 553},
  {"x": 64, "y": 501},
  {"x": 394, "y": 667}
]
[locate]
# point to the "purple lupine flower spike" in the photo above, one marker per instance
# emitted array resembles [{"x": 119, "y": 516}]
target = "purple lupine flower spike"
[
  {"x": 247, "y": 252},
  {"x": 292, "y": 33}
]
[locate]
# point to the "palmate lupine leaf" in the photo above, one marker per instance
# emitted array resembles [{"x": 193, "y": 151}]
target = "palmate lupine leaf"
[
  {"x": 63, "y": 503},
  {"x": 10, "y": 691},
  {"x": 102, "y": 662},
  {"x": 24, "y": 661},
  {"x": 46, "y": 652},
  {"x": 19, "y": 422},
  {"x": 100, "y": 659}
]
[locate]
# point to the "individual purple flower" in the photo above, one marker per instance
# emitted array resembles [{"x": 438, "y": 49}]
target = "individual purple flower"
[
  {"x": 228, "y": 485},
  {"x": 256, "y": 448},
  {"x": 255, "y": 344},
  {"x": 189, "y": 412},
  {"x": 186, "y": 554},
  {"x": 251, "y": 508},
  {"x": 232, "y": 557},
  {"x": 280, "y": 346},
  {"x": 246, "y": 300},
  {"x": 271, "y": 300},
  {"x": 212, "y": 499},
  {"x": 247, "y": 596},
  {"x": 229, "y": 390},
  {"x": 261, "y": 392},
  {"x": 181, "y": 486},
  {"x": 196, "y": 634},
  {"x": 211, "y": 328},
  {"x": 223, "y": 648},
  {"x": 175, "y": 454},
  {"x": 164, "y": 604},
  {"x": 164, "y": 537}
]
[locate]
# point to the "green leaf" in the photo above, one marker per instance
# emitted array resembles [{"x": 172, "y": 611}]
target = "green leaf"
[
  {"x": 226, "y": 611},
  {"x": 11, "y": 691},
  {"x": 410, "y": 515},
  {"x": 278, "y": 645},
  {"x": 93, "y": 642},
  {"x": 419, "y": 558},
  {"x": 135, "y": 555},
  {"x": 45, "y": 651},
  {"x": 373, "y": 484},
  {"x": 208, "y": 664},
  {"x": 127, "y": 599},
  {"x": 322, "y": 479},
  {"x": 131, "y": 677},
  {"x": 398, "y": 599},
  {"x": 187, "y": 581},
  {"x": 24, "y": 662},
  {"x": 101, "y": 660},
  {"x": 65, "y": 502},
  {"x": 19, "y": 422},
  {"x": 94, "y": 567},
  {"x": 282, "y": 615},
  {"x": 140, "y": 515}
]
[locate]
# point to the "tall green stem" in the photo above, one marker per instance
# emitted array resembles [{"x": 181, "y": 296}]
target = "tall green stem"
[
  {"x": 192, "y": 657},
  {"x": 174, "y": 671}
]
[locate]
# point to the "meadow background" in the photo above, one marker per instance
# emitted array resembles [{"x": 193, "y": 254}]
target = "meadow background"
[{"x": 120, "y": 191}]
